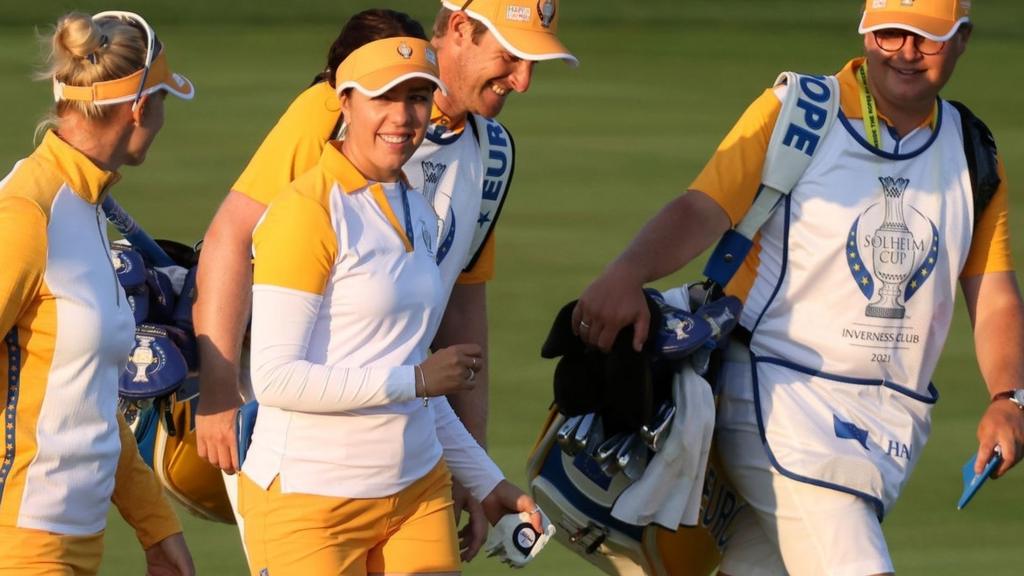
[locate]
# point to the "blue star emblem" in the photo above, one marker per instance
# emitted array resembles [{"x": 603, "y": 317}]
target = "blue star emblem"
[{"x": 484, "y": 218}]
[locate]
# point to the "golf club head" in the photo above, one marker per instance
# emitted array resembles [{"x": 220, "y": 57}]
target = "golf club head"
[
  {"x": 596, "y": 436},
  {"x": 609, "y": 448},
  {"x": 637, "y": 462},
  {"x": 625, "y": 452},
  {"x": 582, "y": 434},
  {"x": 655, "y": 434},
  {"x": 566, "y": 432}
]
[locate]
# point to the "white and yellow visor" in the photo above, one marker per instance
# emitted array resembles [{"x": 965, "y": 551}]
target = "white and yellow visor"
[
  {"x": 379, "y": 66},
  {"x": 155, "y": 74}
]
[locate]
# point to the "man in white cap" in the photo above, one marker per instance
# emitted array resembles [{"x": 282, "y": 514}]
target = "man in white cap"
[
  {"x": 849, "y": 293},
  {"x": 486, "y": 50}
]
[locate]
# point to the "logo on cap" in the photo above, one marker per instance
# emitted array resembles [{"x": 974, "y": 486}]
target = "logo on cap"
[
  {"x": 404, "y": 51},
  {"x": 518, "y": 13},
  {"x": 546, "y": 9},
  {"x": 879, "y": 4}
]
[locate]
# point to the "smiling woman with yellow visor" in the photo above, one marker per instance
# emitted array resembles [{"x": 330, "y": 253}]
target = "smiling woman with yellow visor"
[
  {"x": 66, "y": 324},
  {"x": 348, "y": 470}
]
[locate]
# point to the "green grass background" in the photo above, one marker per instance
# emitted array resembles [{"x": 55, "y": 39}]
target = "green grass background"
[{"x": 601, "y": 148}]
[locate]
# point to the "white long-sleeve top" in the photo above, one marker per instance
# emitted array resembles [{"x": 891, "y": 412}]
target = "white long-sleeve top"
[
  {"x": 66, "y": 332},
  {"x": 346, "y": 299}
]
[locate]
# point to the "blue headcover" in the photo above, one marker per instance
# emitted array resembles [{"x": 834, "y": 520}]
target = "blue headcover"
[
  {"x": 682, "y": 333},
  {"x": 129, "y": 267},
  {"x": 138, "y": 300},
  {"x": 186, "y": 343},
  {"x": 161, "y": 296},
  {"x": 182, "y": 316},
  {"x": 156, "y": 366}
]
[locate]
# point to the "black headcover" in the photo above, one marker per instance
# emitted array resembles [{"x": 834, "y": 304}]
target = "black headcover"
[{"x": 623, "y": 386}]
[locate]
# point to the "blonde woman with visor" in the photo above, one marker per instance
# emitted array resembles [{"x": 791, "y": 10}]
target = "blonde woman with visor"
[
  {"x": 347, "y": 472},
  {"x": 66, "y": 324}
]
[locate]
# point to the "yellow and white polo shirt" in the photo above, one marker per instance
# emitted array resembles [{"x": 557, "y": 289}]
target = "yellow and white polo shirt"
[
  {"x": 449, "y": 170},
  {"x": 347, "y": 297},
  {"x": 67, "y": 331}
]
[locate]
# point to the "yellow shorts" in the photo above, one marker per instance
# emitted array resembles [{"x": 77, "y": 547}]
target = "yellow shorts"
[
  {"x": 410, "y": 532},
  {"x": 27, "y": 552}
]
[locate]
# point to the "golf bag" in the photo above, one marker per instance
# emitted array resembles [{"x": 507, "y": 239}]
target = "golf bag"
[
  {"x": 166, "y": 435},
  {"x": 158, "y": 390},
  {"x": 613, "y": 413}
]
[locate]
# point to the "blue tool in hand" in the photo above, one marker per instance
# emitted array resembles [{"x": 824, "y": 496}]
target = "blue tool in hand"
[{"x": 973, "y": 482}]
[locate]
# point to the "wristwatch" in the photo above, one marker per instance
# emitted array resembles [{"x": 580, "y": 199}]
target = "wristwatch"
[{"x": 1015, "y": 396}]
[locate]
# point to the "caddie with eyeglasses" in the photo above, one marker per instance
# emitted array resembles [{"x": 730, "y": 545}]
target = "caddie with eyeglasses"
[{"x": 848, "y": 263}]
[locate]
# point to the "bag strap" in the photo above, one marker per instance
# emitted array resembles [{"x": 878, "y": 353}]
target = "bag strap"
[
  {"x": 497, "y": 152},
  {"x": 808, "y": 111},
  {"x": 982, "y": 158}
]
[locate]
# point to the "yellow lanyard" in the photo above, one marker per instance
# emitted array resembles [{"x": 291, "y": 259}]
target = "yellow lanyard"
[
  {"x": 867, "y": 104},
  {"x": 872, "y": 127},
  {"x": 382, "y": 201}
]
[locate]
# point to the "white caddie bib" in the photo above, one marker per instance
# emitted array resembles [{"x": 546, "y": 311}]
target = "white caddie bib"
[
  {"x": 852, "y": 305},
  {"x": 448, "y": 171},
  {"x": 465, "y": 189}
]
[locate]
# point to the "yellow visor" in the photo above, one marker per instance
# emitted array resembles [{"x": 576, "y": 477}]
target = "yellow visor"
[
  {"x": 126, "y": 89},
  {"x": 934, "y": 19},
  {"x": 379, "y": 66},
  {"x": 526, "y": 28}
]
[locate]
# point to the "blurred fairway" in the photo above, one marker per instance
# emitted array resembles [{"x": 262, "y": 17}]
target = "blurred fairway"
[{"x": 601, "y": 148}]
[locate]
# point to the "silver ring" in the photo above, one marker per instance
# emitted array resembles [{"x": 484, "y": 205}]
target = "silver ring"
[
  {"x": 472, "y": 376},
  {"x": 584, "y": 325}
]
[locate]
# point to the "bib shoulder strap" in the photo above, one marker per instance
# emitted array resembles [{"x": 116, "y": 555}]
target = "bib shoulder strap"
[
  {"x": 982, "y": 159},
  {"x": 808, "y": 111},
  {"x": 497, "y": 153}
]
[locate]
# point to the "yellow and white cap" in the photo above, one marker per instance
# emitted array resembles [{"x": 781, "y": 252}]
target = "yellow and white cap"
[
  {"x": 526, "y": 28},
  {"x": 153, "y": 76},
  {"x": 379, "y": 66},
  {"x": 934, "y": 19}
]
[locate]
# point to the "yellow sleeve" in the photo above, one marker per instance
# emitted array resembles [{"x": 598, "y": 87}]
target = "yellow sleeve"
[
  {"x": 293, "y": 146},
  {"x": 138, "y": 494},
  {"x": 295, "y": 245},
  {"x": 990, "y": 246},
  {"x": 23, "y": 253},
  {"x": 483, "y": 269},
  {"x": 733, "y": 175}
]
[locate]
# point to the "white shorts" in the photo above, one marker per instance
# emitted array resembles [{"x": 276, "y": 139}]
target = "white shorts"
[{"x": 787, "y": 527}]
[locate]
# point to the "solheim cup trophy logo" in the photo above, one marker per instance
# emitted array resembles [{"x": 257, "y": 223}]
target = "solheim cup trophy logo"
[
  {"x": 893, "y": 257},
  {"x": 142, "y": 358},
  {"x": 904, "y": 248}
]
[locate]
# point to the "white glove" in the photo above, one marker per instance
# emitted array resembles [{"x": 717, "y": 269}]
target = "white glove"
[{"x": 515, "y": 541}]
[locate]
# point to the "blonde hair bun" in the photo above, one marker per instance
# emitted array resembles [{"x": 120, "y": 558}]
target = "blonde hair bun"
[
  {"x": 84, "y": 51},
  {"x": 76, "y": 37}
]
